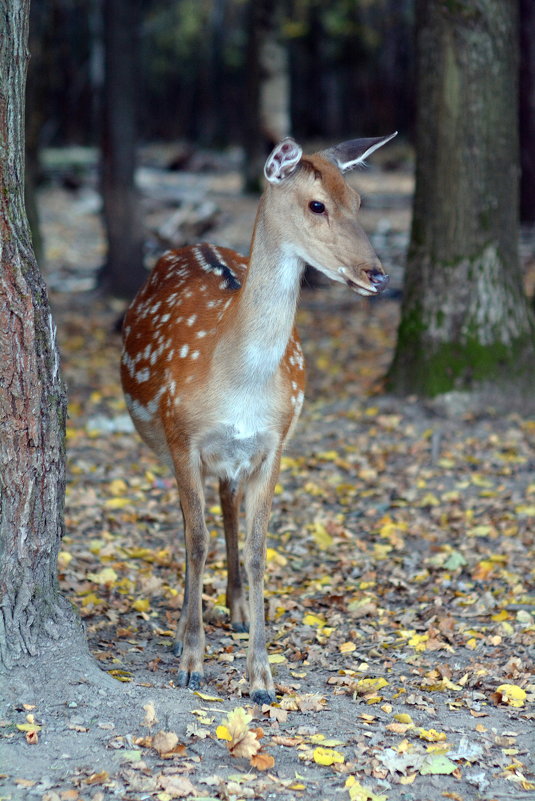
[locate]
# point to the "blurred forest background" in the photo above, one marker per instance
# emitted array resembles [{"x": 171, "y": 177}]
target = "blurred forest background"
[
  {"x": 117, "y": 74},
  {"x": 209, "y": 85}
]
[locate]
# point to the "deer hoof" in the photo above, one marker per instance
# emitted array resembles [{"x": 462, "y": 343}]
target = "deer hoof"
[
  {"x": 262, "y": 697},
  {"x": 191, "y": 680},
  {"x": 177, "y": 648},
  {"x": 240, "y": 628}
]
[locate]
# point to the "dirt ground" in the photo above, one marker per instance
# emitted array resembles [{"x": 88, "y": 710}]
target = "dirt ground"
[{"x": 400, "y": 564}]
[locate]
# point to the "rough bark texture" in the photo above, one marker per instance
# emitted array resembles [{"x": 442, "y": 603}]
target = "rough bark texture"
[
  {"x": 33, "y": 615},
  {"x": 466, "y": 324},
  {"x": 123, "y": 273}
]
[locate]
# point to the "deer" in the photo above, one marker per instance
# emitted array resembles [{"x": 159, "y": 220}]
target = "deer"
[{"x": 213, "y": 373}]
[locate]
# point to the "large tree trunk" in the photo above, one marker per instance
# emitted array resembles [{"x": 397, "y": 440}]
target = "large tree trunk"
[
  {"x": 123, "y": 272},
  {"x": 35, "y": 621},
  {"x": 466, "y": 324}
]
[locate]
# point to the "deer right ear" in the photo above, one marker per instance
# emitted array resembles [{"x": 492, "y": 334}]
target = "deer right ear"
[{"x": 282, "y": 161}]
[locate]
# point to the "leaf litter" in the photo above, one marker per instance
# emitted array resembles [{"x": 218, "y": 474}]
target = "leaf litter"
[{"x": 398, "y": 593}]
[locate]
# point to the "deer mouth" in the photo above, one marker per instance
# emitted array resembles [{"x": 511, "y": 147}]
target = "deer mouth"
[{"x": 375, "y": 284}]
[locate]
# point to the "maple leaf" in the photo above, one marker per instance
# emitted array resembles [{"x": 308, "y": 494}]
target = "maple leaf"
[{"x": 241, "y": 741}]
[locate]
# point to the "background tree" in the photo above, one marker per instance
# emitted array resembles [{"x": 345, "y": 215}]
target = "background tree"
[
  {"x": 37, "y": 625},
  {"x": 527, "y": 110},
  {"x": 466, "y": 324},
  {"x": 266, "y": 117},
  {"x": 123, "y": 272}
]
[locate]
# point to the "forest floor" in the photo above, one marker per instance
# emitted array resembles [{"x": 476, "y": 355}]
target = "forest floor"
[{"x": 400, "y": 557}]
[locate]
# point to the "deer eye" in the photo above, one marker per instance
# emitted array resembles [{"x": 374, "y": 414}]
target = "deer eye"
[{"x": 316, "y": 206}]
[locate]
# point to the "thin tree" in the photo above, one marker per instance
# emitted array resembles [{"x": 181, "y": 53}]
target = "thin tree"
[
  {"x": 37, "y": 625},
  {"x": 123, "y": 272},
  {"x": 466, "y": 324},
  {"x": 527, "y": 111}
]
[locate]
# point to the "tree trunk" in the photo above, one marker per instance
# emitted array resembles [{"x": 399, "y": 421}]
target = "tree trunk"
[
  {"x": 34, "y": 618},
  {"x": 527, "y": 110},
  {"x": 123, "y": 272},
  {"x": 466, "y": 325},
  {"x": 267, "y": 118}
]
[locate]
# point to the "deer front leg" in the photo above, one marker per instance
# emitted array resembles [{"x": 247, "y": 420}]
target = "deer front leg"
[
  {"x": 230, "y": 494},
  {"x": 258, "y": 500},
  {"x": 189, "y": 641}
]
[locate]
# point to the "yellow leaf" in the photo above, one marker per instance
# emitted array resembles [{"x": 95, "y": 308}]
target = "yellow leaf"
[
  {"x": 64, "y": 559},
  {"x": 328, "y": 456},
  {"x": 313, "y": 620},
  {"x": 91, "y": 598},
  {"x": 524, "y": 509},
  {"x": 418, "y": 641},
  {"x": 364, "y": 686},
  {"x": 105, "y": 576},
  {"x": 512, "y": 694},
  {"x": 141, "y": 605},
  {"x": 274, "y": 556},
  {"x": 431, "y": 735},
  {"x": 471, "y": 643},
  {"x": 327, "y": 756},
  {"x": 347, "y": 647},
  {"x": 480, "y": 531},
  {"x": 276, "y": 659},
  {"x": 206, "y": 697},
  {"x": 402, "y": 717},
  {"x": 117, "y": 503},
  {"x": 117, "y": 487},
  {"x": 429, "y": 500},
  {"x": 321, "y": 536},
  {"x": 222, "y": 733},
  {"x": 28, "y": 727},
  {"x": 215, "y": 510}
]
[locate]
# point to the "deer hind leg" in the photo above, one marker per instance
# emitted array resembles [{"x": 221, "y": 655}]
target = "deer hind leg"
[
  {"x": 230, "y": 494},
  {"x": 258, "y": 498},
  {"x": 189, "y": 640}
]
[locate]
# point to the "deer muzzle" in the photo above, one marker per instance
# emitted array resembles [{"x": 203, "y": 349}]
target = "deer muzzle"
[{"x": 366, "y": 282}]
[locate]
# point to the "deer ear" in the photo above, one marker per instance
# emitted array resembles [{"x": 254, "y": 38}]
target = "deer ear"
[
  {"x": 282, "y": 161},
  {"x": 349, "y": 155}
]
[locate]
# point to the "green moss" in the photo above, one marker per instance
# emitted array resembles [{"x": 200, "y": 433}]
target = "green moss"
[{"x": 456, "y": 366}]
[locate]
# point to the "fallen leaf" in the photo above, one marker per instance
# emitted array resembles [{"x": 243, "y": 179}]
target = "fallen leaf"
[
  {"x": 262, "y": 761},
  {"x": 327, "y": 756},
  {"x": 177, "y": 786}
]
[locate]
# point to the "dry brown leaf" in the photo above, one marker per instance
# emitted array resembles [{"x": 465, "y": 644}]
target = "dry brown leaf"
[
  {"x": 177, "y": 786},
  {"x": 150, "y": 715},
  {"x": 166, "y": 744},
  {"x": 262, "y": 761}
]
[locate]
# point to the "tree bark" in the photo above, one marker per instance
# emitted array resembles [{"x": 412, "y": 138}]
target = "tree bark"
[
  {"x": 466, "y": 324},
  {"x": 123, "y": 272},
  {"x": 527, "y": 110},
  {"x": 34, "y": 618}
]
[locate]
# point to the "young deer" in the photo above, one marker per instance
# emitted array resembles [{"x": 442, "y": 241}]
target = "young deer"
[{"x": 213, "y": 372}]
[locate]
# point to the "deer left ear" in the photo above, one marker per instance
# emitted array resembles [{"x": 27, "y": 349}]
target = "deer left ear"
[
  {"x": 282, "y": 161},
  {"x": 349, "y": 155}
]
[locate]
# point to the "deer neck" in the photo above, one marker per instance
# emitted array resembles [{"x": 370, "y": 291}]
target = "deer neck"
[{"x": 262, "y": 323}]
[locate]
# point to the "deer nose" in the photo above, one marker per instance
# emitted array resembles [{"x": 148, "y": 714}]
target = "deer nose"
[{"x": 377, "y": 279}]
